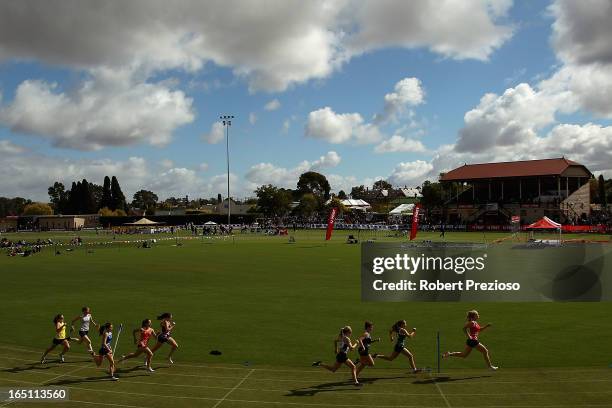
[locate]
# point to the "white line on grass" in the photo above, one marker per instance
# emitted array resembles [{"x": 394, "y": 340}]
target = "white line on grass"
[
  {"x": 308, "y": 404},
  {"x": 233, "y": 389},
  {"x": 448, "y": 405}
]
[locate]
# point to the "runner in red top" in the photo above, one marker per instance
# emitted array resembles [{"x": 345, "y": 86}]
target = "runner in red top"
[
  {"x": 143, "y": 343},
  {"x": 472, "y": 329}
]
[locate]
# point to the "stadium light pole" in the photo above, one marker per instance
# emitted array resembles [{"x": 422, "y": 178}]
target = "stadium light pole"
[{"x": 227, "y": 122}]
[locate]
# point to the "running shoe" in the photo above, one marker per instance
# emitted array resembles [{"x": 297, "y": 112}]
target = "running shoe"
[{"x": 316, "y": 363}]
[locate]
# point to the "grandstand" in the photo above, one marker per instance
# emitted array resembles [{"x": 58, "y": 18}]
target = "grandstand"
[{"x": 491, "y": 193}]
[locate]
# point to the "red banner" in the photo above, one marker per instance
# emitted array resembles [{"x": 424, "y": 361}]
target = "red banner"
[
  {"x": 330, "y": 223},
  {"x": 415, "y": 221}
]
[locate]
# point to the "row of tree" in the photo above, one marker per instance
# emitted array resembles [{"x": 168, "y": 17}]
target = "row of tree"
[
  {"x": 85, "y": 197},
  {"x": 311, "y": 194}
]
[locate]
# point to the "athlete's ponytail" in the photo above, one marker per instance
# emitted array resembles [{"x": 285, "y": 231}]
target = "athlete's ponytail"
[
  {"x": 104, "y": 327},
  {"x": 165, "y": 315},
  {"x": 396, "y": 326}
]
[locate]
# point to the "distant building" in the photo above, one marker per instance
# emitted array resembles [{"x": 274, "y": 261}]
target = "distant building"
[
  {"x": 61, "y": 222},
  {"x": 9, "y": 223},
  {"x": 493, "y": 192}
]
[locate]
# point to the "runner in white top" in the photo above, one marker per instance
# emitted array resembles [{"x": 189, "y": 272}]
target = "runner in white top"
[{"x": 85, "y": 319}]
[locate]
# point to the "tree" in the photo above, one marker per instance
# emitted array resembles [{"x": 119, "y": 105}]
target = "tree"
[
  {"x": 12, "y": 206},
  {"x": 314, "y": 183},
  {"x": 382, "y": 185},
  {"x": 106, "y": 200},
  {"x": 358, "y": 192},
  {"x": 58, "y": 197},
  {"x": 308, "y": 205},
  {"x": 88, "y": 200},
  {"x": 145, "y": 200},
  {"x": 117, "y": 197},
  {"x": 37, "y": 209},
  {"x": 342, "y": 195},
  {"x": 273, "y": 201},
  {"x": 601, "y": 184},
  {"x": 432, "y": 195}
]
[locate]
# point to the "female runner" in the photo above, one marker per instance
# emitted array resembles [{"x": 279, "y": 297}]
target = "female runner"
[
  {"x": 346, "y": 345},
  {"x": 86, "y": 319},
  {"x": 472, "y": 329},
  {"x": 398, "y": 333},
  {"x": 106, "y": 351},
  {"x": 59, "y": 338},
  {"x": 143, "y": 344},
  {"x": 165, "y": 336},
  {"x": 365, "y": 358}
]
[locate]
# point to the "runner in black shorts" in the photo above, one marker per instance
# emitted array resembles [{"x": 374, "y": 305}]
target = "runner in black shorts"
[
  {"x": 346, "y": 345},
  {"x": 365, "y": 358},
  {"x": 59, "y": 339},
  {"x": 472, "y": 330},
  {"x": 398, "y": 333},
  {"x": 165, "y": 335}
]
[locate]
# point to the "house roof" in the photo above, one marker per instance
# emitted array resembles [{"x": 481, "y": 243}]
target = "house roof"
[{"x": 527, "y": 168}]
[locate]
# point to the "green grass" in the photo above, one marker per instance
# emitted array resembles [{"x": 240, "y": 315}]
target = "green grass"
[{"x": 278, "y": 306}]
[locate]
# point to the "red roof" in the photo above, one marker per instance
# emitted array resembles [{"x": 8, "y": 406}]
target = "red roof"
[
  {"x": 544, "y": 223},
  {"x": 527, "y": 168}
]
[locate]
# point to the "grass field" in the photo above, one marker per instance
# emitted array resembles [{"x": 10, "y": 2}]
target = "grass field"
[{"x": 272, "y": 308}]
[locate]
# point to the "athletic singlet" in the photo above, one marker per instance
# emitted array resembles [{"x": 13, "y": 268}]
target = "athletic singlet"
[
  {"x": 474, "y": 330},
  {"x": 109, "y": 340},
  {"x": 62, "y": 333},
  {"x": 85, "y": 320},
  {"x": 367, "y": 340},
  {"x": 145, "y": 334},
  {"x": 401, "y": 338},
  {"x": 344, "y": 348}
]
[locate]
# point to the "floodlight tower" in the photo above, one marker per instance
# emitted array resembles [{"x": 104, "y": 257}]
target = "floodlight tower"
[{"x": 227, "y": 122}]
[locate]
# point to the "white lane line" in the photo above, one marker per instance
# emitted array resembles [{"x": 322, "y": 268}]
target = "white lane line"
[
  {"x": 441, "y": 393},
  {"x": 235, "y": 387}
]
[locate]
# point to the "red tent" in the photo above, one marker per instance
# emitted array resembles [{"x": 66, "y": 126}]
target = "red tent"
[{"x": 544, "y": 223}]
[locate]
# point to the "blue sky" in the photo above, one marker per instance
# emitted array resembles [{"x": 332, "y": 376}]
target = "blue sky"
[{"x": 351, "y": 92}]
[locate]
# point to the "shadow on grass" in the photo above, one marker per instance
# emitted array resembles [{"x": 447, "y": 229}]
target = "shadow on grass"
[
  {"x": 338, "y": 386},
  {"x": 90, "y": 379},
  {"x": 446, "y": 379},
  {"x": 39, "y": 367}
]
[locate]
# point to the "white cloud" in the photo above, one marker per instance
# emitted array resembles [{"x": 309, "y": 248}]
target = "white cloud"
[
  {"x": 108, "y": 109},
  {"x": 338, "y": 128},
  {"x": 330, "y": 159},
  {"x": 273, "y": 105},
  {"x": 582, "y": 30},
  {"x": 410, "y": 173},
  {"x": 177, "y": 182},
  {"x": 273, "y": 47},
  {"x": 407, "y": 92},
  {"x": 6, "y": 146},
  {"x": 216, "y": 134},
  {"x": 453, "y": 28},
  {"x": 397, "y": 143},
  {"x": 268, "y": 173},
  {"x": 203, "y": 166},
  {"x": 252, "y": 118}
]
